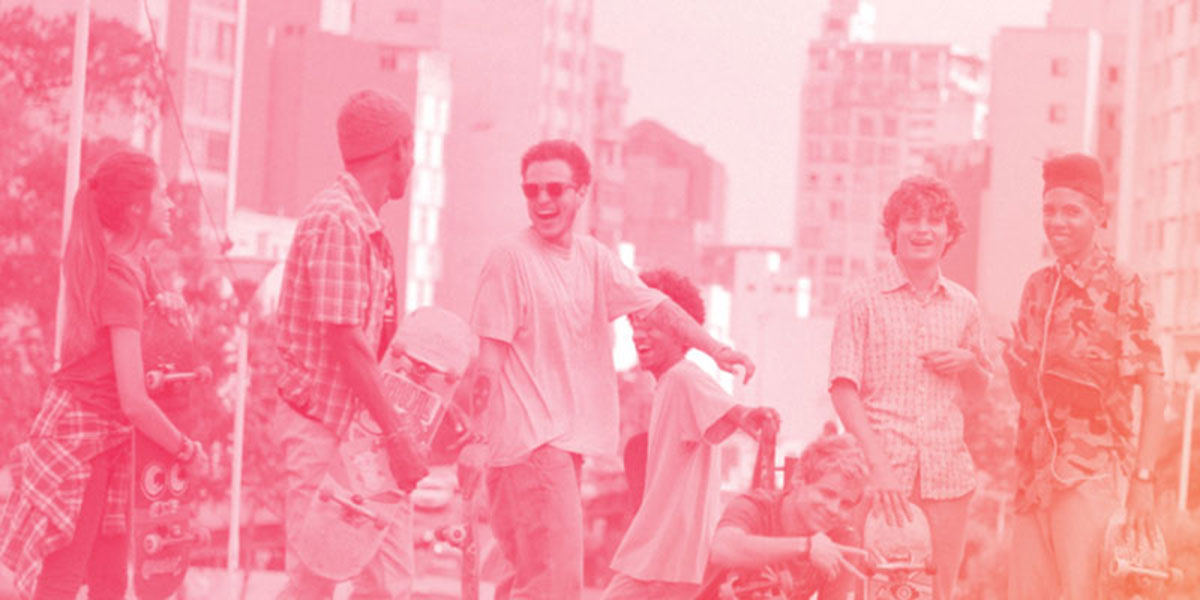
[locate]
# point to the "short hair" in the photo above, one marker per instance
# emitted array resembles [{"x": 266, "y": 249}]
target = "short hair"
[
  {"x": 918, "y": 192},
  {"x": 564, "y": 150},
  {"x": 679, "y": 289},
  {"x": 838, "y": 453}
]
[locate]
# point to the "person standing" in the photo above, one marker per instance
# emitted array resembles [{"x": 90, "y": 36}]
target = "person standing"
[
  {"x": 65, "y": 524},
  {"x": 543, "y": 311},
  {"x": 337, "y": 314},
  {"x": 906, "y": 344},
  {"x": 1082, "y": 342}
]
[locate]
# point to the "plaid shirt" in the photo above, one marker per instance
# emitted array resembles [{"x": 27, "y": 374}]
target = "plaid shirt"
[
  {"x": 880, "y": 334},
  {"x": 1099, "y": 343},
  {"x": 338, "y": 272},
  {"x": 51, "y": 472}
]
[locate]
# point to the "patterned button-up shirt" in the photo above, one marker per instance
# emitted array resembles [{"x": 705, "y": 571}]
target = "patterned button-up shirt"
[
  {"x": 338, "y": 272},
  {"x": 1099, "y": 343},
  {"x": 881, "y": 332}
]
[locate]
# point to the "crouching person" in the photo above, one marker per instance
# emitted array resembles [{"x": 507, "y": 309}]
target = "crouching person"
[{"x": 797, "y": 539}]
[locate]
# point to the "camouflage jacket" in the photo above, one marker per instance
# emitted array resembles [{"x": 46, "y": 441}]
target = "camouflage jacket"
[{"x": 1097, "y": 341}]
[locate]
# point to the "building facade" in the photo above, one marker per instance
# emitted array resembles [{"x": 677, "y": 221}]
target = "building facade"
[{"x": 870, "y": 112}]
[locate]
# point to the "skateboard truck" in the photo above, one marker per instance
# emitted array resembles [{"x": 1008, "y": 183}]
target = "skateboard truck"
[
  {"x": 157, "y": 378},
  {"x": 155, "y": 542},
  {"x": 353, "y": 504},
  {"x": 1121, "y": 567}
]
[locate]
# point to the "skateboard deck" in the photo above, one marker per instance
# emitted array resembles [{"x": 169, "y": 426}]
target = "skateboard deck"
[
  {"x": 358, "y": 498},
  {"x": 899, "y": 562},
  {"x": 1130, "y": 571},
  {"x": 161, "y": 533}
]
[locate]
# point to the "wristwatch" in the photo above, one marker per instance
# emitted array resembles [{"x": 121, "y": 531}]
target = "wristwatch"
[{"x": 1143, "y": 474}]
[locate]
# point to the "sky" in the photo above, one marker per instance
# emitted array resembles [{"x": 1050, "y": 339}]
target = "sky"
[{"x": 726, "y": 75}]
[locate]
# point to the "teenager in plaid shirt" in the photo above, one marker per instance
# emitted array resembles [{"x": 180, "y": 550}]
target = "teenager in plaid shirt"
[
  {"x": 337, "y": 313},
  {"x": 906, "y": 344},
  {"x": 65, "y": 522}
]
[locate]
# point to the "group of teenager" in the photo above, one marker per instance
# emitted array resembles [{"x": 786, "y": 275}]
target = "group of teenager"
[{"x": 908, "y": 347}]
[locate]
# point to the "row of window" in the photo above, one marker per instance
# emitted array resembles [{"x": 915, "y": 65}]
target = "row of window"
[
  {"x": 839, "y": 122},
  {"x": 873, "y": 60},
  {"x": 866, "y": 152}
]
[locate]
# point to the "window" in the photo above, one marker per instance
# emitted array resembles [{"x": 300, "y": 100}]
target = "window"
[
  {"x": 866, "y": 126},
  {"x": 1058, "y": 113},
  {"x": 1058, "y": 67},
  {"x": 837, "y": 210},
  {"x": 410, "y": 17},
  {"x": 891, "y": 126},
  {"x": 1114, "y": 74},
  {"x": 216, "y": 151},
  {"x": 834, "y": 266},
  {"x": 813, "y": 151},
  {"x": 840, "y": 151},
  {"x": 814, "y": 181},
  {"x": 387, "y": 60}
]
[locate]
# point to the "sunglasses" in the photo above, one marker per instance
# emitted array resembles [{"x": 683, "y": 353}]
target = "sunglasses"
[{"x": 554, "y": 189}]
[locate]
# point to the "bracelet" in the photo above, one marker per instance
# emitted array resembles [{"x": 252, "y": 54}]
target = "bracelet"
[{"x": 187, "y": 452}]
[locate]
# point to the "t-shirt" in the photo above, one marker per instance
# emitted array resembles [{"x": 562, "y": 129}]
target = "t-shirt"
[
  {"x": 554, "y": 307},
  {"x": 758, "y": 513},
  {"x": 669, "y": 537},
  {"x": 121, "y": 298}
]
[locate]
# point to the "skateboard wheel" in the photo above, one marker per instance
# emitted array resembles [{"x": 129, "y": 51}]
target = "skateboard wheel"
[
  {"x": 178, "y": 479},
  {"x": 154, "y": 380},
  {"x": 152, "y": 543},
  {"x": 904, "y": 592},
  {"x": 203, "y": 374},
  {"x": 455, "y": 535},
  {"x": 325, "y": 495},
  {"x": 153, "y": 480}
]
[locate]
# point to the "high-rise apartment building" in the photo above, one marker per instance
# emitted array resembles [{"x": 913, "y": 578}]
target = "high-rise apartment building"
[
  {"x": 870, "y": 112},
  {"x": 1054, "y": 90},
  {"x": 1159, "y": 204},
  {"x": 606, "y": 210}
]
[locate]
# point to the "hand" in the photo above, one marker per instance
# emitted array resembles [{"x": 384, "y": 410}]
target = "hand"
[
  {"x": 831, "y": 558},
  {"x": 760, "y": 419},
  {"x": 175, "y": 308},
  {"x": 729, "y": 359},
  {"x": 888, "y": 496},
  {"x": 405, "y": 460},
  {"x": 200, "y": 467},
  {"x": 1139, "y": 514},
  {"x": 948, "y": 362}
]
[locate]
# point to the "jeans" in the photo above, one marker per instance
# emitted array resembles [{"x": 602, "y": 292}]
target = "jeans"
[
  {"x": 537, "y": 517},
  {"x": 309, "y": 448},
  {"x": 92, "y": 558}
]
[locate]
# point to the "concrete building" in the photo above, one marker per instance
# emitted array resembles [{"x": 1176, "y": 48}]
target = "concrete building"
[
  {"x": 674, "y": 198},
  {"x": 870, "y": 111},
  {"x": 605, "y": 213},
  {"x": 1054, "y": 90},
  {"x": 967, "y": 170},
  {"x": 1159, "y": 210}
]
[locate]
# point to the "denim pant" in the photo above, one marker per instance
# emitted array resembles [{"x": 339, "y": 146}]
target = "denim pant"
[
  {"x": 309, "y": 448},
  {"x": 1056, "y": 548},
  {"x": 92, "y": 558},
  {"x": 537, "y": 517}
]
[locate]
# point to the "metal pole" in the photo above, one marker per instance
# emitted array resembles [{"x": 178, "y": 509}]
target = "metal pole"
[
  {"x": 239, "y": 438},
  {"x": 235, "y": 134},
  {"x": 1185, "y": 454},
  {"x": 74, "y": 158}
]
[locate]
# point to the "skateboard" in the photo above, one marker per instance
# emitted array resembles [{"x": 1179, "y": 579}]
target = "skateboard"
[
  {"x": 161, "y": 534},
  {"x": 1127, "y": 571},
  {"x": 899, "y": 563},
  {"x": 358, "y": 499}
]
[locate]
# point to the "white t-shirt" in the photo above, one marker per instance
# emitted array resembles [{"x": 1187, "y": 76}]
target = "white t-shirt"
[
  {"x": 672, "y": 531},
  {"x": 554, "y": 306}
]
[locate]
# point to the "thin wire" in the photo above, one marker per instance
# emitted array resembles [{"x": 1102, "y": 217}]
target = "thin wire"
[{"x": 222, "y": 233}]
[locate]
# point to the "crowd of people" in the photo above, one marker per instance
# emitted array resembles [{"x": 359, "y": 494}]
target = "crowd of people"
[{"x": 908, "y": 345}]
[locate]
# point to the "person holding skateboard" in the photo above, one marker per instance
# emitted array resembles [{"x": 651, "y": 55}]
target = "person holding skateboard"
[
  {"x": 906, "y": 344},
  {"x": 690, "y": 416},
  {"x": 1082, "y": 341},
  {"x": 543, "y": 310},
  {"x": 65, "y": 524},
  {"x": 337, "y": 313},
  {"x": 803, "y": 529}
]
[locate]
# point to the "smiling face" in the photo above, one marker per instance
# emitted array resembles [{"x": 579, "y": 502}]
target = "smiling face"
[
  {"x": 657, "y": 349},
  {"x": 921, "y": 236},
  {"x": 1070, "y": 220},
  {"x": 823, "y": 504},
  {"x": 552, "y": 216},
  {"x": 402, "y": 168}
]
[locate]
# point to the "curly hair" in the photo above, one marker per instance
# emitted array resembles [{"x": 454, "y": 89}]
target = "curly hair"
[
  {"x": 923, "y": 193},
  {"x": 678, "y": 288},
  {"x": 564, "y": 150},
  {"x": 839, "y": 453}
]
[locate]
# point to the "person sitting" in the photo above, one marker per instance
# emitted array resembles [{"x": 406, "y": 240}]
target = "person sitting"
[{"x": 796, "y": 537}]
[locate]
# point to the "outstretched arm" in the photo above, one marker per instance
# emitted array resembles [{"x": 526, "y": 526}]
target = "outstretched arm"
[{"x": 668, "y": 316}]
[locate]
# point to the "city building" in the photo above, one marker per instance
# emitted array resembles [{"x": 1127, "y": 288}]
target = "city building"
[
  {"x": 869, "y": 113},
  {"x": 966, "y": 169},
  {"x": 674, "y": 198},
  {"x": 1159, "y": 210},
  {"x": 605, "y": 212},
  {"x": 1054, "y": 90}
]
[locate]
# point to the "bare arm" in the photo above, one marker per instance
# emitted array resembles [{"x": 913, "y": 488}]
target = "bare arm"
[
  {"x": 734, "y": 548},
  {"x": 667, "y": 315},
  {"x": 1140, "y": 501},
  {"x": 145, "y": 415},
  {"x": 487, "y": 373},
  {"x": 885, "y": 488},
  {"x": 752, "y": 420},
  {"x": 351, "y": 351}
]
